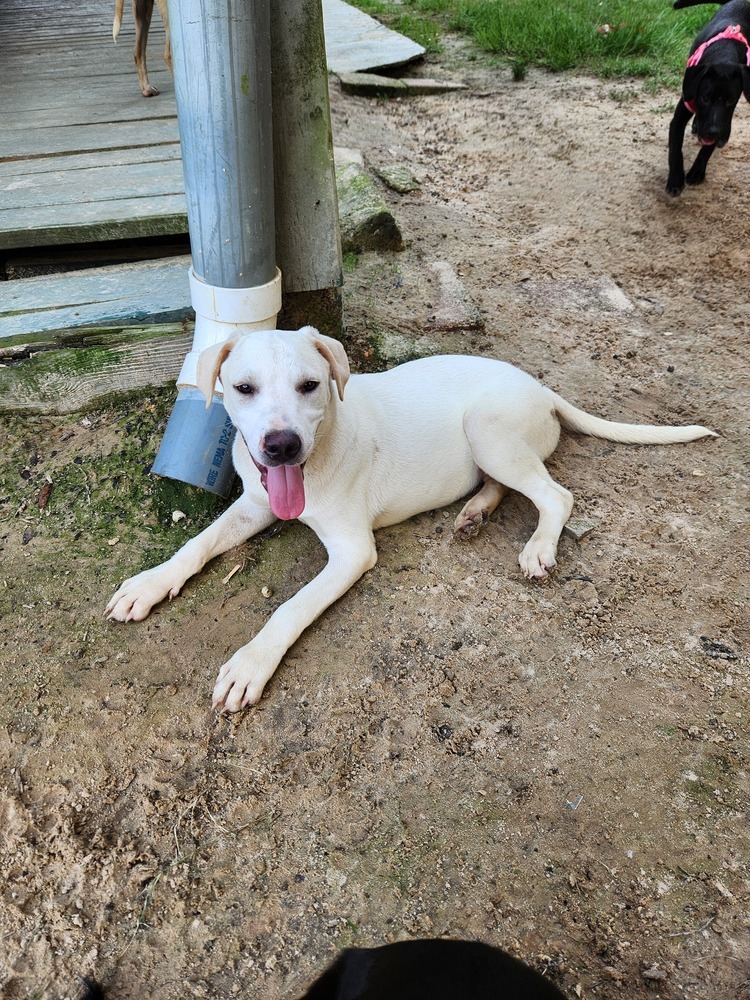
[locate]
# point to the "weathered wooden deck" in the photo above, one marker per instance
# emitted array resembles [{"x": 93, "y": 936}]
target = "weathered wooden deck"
[{"x": 85, "y": 158}]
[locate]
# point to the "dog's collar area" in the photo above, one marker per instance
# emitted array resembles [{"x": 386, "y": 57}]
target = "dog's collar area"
[{"x": 733, "y": 33}]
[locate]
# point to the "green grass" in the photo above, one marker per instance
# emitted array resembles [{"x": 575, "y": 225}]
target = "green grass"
[{"x": 645, "y": 38}]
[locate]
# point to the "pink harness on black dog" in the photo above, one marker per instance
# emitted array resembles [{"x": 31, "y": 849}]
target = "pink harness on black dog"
[{"x": 734, "y": 33}]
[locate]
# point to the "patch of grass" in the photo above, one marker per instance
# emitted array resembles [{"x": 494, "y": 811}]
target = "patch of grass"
[
  {"x": 611, "y": 38},
  {"x": 350, "y": 262}
]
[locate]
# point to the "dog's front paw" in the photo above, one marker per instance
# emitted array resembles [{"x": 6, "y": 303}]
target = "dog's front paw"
[
  {"x": 696, "y": 175},
  {"x": 241, "y": 681},
  {"x": 537, "y": 559},
  {"x": 675, "y": 185},
  {"x": 135, "y": 598}
]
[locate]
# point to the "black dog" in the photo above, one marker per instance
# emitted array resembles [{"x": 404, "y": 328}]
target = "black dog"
[
  {"x": 717, "y": 74},
  {"x": 419, "y": 970},
  {"x": 436, "y": 969}
]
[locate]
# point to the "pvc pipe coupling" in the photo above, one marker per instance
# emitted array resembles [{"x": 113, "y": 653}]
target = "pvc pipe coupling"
[{"x": 222, "y": 312}]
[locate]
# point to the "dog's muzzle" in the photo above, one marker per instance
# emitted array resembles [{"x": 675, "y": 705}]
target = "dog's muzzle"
[{"x": 282, "y": 478}]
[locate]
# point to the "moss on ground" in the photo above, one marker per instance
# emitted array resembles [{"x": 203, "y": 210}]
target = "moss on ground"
[{"x": 63, "y": 483}]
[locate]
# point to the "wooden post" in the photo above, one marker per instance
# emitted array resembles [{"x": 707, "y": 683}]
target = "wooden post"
[{"x": 308, "y": 247}]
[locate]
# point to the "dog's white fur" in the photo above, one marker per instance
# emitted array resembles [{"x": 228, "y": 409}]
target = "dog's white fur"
[{"x": 408, "y": 440}]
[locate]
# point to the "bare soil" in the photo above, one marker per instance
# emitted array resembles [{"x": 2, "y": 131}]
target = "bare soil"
[{"x": 560, "y": 769}]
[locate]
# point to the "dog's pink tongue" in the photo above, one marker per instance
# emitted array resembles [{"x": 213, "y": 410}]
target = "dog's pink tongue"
[{"x": 286, "y": 491}]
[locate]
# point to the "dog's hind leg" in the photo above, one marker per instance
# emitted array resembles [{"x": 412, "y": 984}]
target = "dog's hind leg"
[
  {"x": 167, "y": 46},
  {"x": 142, "y": 11},
  {"x": 511, "y": 461},
  {"x": 476, "y": 512}
]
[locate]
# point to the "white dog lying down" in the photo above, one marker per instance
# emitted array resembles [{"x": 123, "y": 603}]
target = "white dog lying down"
[{"x": 404, "y": 441}]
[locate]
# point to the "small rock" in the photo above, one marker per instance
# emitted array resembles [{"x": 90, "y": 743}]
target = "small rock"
[
  {"x": 347, "y": 154},
  {"x": 654, "y": 973},
  {"x": 579, "y": 527},
  {"x": 717, "y": 650},
  {"x": 398, "y": 177}
]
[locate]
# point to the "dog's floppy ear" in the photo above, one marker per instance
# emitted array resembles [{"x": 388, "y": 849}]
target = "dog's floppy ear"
[
  {"x": 691, "y": 82},
  {"x": 209, "y": 365},
  {"x": 334, "y": 354}
]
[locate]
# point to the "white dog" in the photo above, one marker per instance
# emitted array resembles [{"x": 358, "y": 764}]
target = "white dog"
[{"x": 408, "y": 440}]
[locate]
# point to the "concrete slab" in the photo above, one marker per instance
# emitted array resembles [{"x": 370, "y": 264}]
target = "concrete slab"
[
  {"x": 374, "y": 85},
  {"x": 355, "y": 41}
]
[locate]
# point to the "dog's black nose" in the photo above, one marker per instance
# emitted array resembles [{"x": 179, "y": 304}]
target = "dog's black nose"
[{"x": 281, "y": 447}]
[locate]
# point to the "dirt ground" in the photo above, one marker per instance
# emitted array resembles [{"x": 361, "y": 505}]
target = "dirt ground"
[{"x": 559, "y": 769}]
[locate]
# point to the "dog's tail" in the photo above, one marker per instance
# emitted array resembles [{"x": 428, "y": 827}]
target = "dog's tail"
[
  {"x": 585, "y": 423},
  {"x": 117, "y": 23}
]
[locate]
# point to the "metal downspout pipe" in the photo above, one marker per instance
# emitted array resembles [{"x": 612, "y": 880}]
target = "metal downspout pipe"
[{"x": 221, "y": 53}]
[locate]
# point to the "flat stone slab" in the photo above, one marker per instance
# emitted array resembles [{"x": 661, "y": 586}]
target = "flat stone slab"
[
  {"x": 375, "y": 85},
  {"x": 453, "y": 308},
  {"x": 399, "y": 177},
  {"x": 578, "y": 294},
  {"x": 355, "y": 41}
]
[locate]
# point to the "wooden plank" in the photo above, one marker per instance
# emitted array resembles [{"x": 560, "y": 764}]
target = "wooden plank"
[
  {"x": 27, "y": 115},
  {"x": 12, "y": 170},
  {"x": 156, "y": 291},
  {"x": 110, "y": 362},
  {"x": 112, "y": 220},
  {"x": 83, "y": 138},
  {"x": 54, "y": 187}
]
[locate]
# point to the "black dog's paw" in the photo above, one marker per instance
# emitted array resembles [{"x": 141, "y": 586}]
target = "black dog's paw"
[
  {"x": 675, "y": 186},
  {"x": 695, "y": 176},
  {"x": 90, "y": 989}
]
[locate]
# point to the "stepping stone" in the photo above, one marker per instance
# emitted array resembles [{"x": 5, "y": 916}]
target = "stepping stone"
[
  {"x": 454, "y": 309},
  {"x": 373, "y": 85},
  {"x": 355, "y": 41}
]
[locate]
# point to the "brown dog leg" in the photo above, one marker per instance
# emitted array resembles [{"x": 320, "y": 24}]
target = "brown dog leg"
[
  {"x": 167, "y": 47},
  {"x": 142, "y": 11}
]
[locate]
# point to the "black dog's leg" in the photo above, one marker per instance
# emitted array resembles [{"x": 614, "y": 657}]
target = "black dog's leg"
[
  {"x": 697, "y": 173},
  {"x": 676, "y": 179}
]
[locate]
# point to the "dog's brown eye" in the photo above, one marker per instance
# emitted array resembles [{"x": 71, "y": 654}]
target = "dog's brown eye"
[
  {"x": 310, "y": 386},
  {"x": 245, "y": 389}
]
